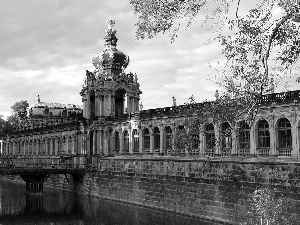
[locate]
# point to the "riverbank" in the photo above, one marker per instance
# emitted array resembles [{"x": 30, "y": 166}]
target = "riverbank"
[{"x": 214, "y": 189}]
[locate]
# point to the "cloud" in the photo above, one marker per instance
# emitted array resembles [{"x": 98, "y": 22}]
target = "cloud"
[{"x": 47, "y": 46}]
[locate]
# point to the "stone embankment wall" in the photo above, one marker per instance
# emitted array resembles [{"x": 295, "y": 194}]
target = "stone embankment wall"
[{"x": 214, "y": 189}]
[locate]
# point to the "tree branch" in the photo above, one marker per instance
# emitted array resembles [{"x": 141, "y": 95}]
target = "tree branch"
[{"x": 265, "y": 58}]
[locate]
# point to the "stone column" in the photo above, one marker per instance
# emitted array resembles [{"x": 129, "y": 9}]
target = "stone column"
[
  {"x": 140, "y": 140},
  {"x": 88, "y": 106},
  {"x": 161, "y": 139},
  {"x": 202, "y": 142},
  {"x": 37, "y": 149},
  {"x": 109, "y": 101},
  {"x": 66, "y": 149},
  {"x": 253, "y": 139},
  {"x": 51, "y": 146},
  {"x": 84, "y": 107},
  {"x": 128, "y": 103},
  {"x": 151, "y": 140},
  {"x": 99, "y": 143},
  {"x": 14, "y": 148},
  {"x": 28, "y": 147},
  {"x": 74, "y": 144},
  {"x": 45, "y": 152},
  {"x": 273, "y": 137},
  {"x": 113, "y": 106},
  {"x": 83, "y": 144},
  {"x": 3, "y": 147},
  {"x": 295, "y": 138},
  {"x": 105, "y": 135},
  {"x": 130, "y": 141},
  {"x": 121, "y": 142},
  {"x": 24, "y": 147},
  {"x": 106, "y": 110},
  {"x": 101, "y": 105},
  {"x": 94, "y": 147},
  {"x": 217, "y": 139},
  {"x": 97, "y": 104},
  {"x": 56, "y": 145},
  {"x": 234, "y": 136}
]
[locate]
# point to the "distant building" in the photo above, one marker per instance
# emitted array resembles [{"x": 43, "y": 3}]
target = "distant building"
[{"x": 112, "y": 122}]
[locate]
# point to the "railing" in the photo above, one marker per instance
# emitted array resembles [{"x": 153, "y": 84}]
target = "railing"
[
  {"x": 263, "y": 152},
  {"x": 244, "y": 152},
  {"x": 226, "y": 152},
  {"x": 285, "y": 153},
  {"x": 283, "y": 97},
  {"x": 210, "y": 152}
]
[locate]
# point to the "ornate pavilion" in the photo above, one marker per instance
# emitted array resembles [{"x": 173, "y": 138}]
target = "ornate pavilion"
[{"x": 111, "y": 121}]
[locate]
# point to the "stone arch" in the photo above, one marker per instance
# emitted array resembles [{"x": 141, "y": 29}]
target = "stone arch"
[
  {"x": 120, "y": 101},
  {"x": 156, "y": 139},
  {"x": 146, "y": 139},
  {"x": 135, "y": 140},
  {"x": 116, "y": 141},
  {"x": 284, "y": 142},
  {"x": 243, "y": 137},
  {"x": 168, "y": 137},
  {"x": 226, "y": 138},
  {"x": 263, "y": 137}
]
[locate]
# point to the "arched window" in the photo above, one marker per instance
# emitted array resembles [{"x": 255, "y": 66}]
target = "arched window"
[
  {"x": 284, "y": 134},
  {"x": 168, "y": 137},
  {"x": 135, "y": 135},
  {"x": 156, "y": 138},
  {"x": 263, "y": 134},
  {"x": 117, "y": 142},
  {"x": 120, "y": 104},
  {"x": 126, "y": 141},
  {"x": 195, "y": 143},
  {"x": 146, "y": 137},
  {"x": 244, "y": 138},
  {"x": 226, "y": 136},
  {"x": 210, "y": 136}
]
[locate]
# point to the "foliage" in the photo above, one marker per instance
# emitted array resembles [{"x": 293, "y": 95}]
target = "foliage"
[
  {"x": 159, "y": 16},
  {"x": 256, "y": 35},
  {"x": 260, "y": 44},
  {"x": 271, "y": 209},
  {"x": 224, "y": 109},
  {"x": 19, "y": 112}
]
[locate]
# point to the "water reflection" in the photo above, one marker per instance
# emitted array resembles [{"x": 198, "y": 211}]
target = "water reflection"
[{"x": 65, "y": 208}]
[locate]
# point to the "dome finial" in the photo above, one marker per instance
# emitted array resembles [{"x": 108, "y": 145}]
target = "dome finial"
[{"x": 110, "y": 27}]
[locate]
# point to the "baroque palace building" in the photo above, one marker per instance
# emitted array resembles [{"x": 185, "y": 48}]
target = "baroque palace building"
[{"x": 111, "y": 122}]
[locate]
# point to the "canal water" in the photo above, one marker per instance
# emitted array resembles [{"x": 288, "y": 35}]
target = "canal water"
[{"x": 57, "y": 207}]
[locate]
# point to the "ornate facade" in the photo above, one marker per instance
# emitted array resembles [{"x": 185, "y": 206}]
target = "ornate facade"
[{"x": 111, "y": 122}]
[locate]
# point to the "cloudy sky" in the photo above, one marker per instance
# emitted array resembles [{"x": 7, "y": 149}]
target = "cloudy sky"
[{"x": 46, "y": 46}]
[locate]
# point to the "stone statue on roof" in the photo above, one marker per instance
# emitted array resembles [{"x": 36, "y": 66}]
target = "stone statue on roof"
[
  {"x": 141, "y": 106},
  {"x": 174, "y": 101}
]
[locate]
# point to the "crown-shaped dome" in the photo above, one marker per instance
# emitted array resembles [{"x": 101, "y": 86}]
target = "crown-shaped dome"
[{"x": 110, "y": 58}]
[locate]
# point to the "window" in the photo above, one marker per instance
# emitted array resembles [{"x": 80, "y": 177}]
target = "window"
[
  {"x": 226, "y": 136},
  {"x": 126, "y": 141},
  {"x": 244, "y": 135},
  {"x": 168, "y": 137},
  {"x": 146, "y": 139},
  {"x": 117, "y": 141},
  {"x": 196, "y": 141},
  {"x": 284, "y": 134},
  {"x": 135, "y": 135},
  {"x": 210, "y": 136},
  {"x": 156, "y": 138},
  {"x": 263, "y": 134}
]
